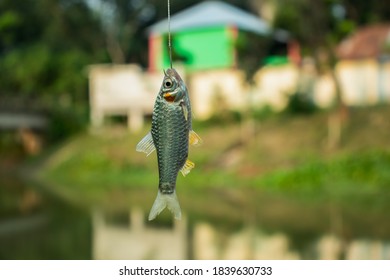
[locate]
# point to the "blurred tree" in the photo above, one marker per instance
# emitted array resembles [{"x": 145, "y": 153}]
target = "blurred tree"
[
  {"x": 45, "y": 46},
  {"x": 318, "y": 26},
  {"x": 251, "y": 51},
  {"x": 366, "y": 12}
]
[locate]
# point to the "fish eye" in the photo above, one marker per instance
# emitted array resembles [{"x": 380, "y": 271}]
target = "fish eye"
[{"x": 168, "y": 83}]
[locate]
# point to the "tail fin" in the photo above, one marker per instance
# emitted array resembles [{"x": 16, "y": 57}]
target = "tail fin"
[{"x": 165, "y": 200}]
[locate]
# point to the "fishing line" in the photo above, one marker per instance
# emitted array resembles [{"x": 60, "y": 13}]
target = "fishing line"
[{"x": 169, "y": 33}]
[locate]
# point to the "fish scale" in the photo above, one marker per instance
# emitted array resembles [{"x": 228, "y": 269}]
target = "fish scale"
[{"x": 170, "y": 136}]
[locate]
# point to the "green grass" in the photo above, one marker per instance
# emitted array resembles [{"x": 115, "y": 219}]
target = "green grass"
[
  {"x": 368, "y": 171},
  {"x": 283, "y": 155}
]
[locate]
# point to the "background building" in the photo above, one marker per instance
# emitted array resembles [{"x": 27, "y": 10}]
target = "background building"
[{"x": 204, "y": 36}]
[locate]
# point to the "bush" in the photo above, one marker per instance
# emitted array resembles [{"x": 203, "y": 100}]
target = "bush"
[
  {"x": 300, "y": 103},
  {"x": 65, "y": 123}
]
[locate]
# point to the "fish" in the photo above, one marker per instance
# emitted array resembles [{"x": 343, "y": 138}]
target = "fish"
[{"x": 170, "y": 135}]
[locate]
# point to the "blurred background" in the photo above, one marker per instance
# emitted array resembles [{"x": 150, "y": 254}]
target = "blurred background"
[{"x": 290, "y": 97}]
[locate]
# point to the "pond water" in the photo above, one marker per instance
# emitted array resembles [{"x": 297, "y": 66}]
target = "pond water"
[
  {"x": 34, "y": 224},
  {"x": 37, "y": 225}
]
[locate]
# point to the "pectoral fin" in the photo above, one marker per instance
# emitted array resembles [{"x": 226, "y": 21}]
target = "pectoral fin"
[
  {"x": 187, "y": 167},
  {"x": 146, "y": 145},
  {"x": 185, "y": 110},
  {"x": 194, "y": 138}
]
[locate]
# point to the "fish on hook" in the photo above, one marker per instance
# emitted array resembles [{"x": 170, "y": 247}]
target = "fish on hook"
[{"x": 170, "y": 136}]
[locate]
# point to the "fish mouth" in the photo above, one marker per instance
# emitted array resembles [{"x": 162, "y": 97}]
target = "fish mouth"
[{"x": 170, "y": 96}]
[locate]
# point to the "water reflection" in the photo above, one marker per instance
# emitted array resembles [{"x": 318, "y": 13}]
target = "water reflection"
[
  {"x": 202, "y": 240},
  {"x": 37, "y": 225},
  {"x": 136, "y": 239},
  {"x": 247, "y": 243}
]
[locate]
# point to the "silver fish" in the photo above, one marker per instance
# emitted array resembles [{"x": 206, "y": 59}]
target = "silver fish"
[{"x": 170, "y": 135}]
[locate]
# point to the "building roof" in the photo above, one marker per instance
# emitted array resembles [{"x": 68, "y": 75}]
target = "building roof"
[
  {"x": 367, "y": 42},
  {"x": 210, "y": 14}
]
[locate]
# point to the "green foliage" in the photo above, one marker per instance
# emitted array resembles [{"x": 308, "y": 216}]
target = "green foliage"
[
  {"x": 300, "y": 103},
  {"x": 262, "y": 113},
  {"x": 45, "y": 47},
  {"x": 317, "y": 23},
  {"x": 226, "y": 117},
  {"x": 251, "y": 50},
  {"x": 9, "y": 20},
  {"x": 64, "y": 123},
  {"x": 26, "y": 70}
]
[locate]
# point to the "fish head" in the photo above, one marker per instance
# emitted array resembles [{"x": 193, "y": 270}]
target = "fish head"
[{"x": 173, "y": 89}]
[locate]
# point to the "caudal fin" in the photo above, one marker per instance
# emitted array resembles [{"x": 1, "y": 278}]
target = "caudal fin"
[{"x": 165, "y": 200}]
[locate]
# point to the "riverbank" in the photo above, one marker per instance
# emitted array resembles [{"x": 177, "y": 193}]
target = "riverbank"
[{"x": 249, "y": 165}]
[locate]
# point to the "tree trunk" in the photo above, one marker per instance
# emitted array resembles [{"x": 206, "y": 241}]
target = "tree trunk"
[
  {"x": 338, "y": 117},
  {"x": 114, "y": 49}
]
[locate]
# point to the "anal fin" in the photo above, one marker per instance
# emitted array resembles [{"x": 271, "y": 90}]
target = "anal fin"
[
  {"x": 146, "y": 145},
  {"x": 187, "y": 167}
]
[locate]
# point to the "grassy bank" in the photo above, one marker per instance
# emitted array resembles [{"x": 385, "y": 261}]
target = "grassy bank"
[
  {"x": 246, "y": 171},
  {"x": 281, "y": 153}
]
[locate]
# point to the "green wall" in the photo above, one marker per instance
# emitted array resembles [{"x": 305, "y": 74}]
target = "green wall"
[{"x": 205, "y": 48}]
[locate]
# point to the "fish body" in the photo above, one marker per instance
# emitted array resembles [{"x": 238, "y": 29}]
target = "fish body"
[{"x": 170, "y": 136}]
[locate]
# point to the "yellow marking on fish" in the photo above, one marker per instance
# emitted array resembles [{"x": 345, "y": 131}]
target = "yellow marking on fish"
[
  {"x": 169, "y": 97},
  {"x": 187, "y": 167},
  {"x": 194, "y": 138}
]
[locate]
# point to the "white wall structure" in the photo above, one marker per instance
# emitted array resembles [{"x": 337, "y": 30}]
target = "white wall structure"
[
  {"x": 213, "y": 89},
  {"x": 138, "y": 240},
  {"x": 128, "y": 90},
  {"x": 121, "y": 90}
]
